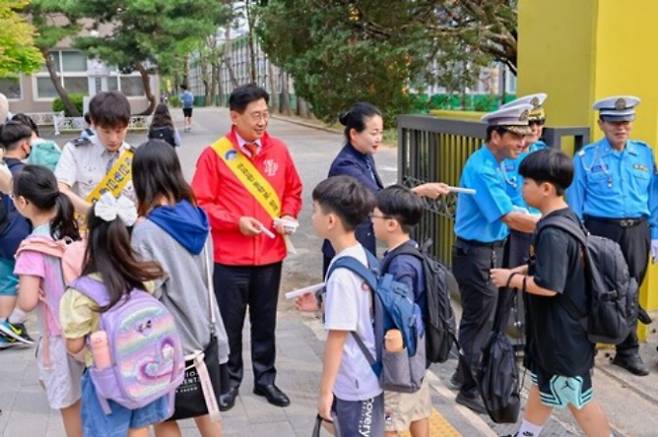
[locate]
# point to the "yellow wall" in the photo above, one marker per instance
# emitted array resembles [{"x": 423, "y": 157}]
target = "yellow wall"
[{"x": 578, "y": 51}]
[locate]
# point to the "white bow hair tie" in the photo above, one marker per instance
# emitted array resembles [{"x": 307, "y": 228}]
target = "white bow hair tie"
[{"x": 109, "y": 208}]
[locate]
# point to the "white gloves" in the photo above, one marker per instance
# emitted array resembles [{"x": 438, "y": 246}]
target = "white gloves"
[
  {"x": 520, "y": 209},
  {"x": 654, "y": 250}
]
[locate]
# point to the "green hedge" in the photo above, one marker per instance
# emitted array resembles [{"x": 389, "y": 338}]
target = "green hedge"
[
  {"x": 76, "y": 99},
  {"x": 423, "y": 103}
]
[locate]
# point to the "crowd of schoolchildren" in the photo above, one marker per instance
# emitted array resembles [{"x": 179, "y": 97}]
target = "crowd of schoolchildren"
[{"x": 123, "y": 313}]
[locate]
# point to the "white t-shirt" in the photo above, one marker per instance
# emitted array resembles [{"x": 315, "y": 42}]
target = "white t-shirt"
[{"x": 348, "y": 307}]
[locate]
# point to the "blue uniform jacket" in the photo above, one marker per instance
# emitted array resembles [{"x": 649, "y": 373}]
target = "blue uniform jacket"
[
  {"x": 513, "y": 180},
  {"x": 479, "y": 216},
  {"x": 615, "y": 184},
  {"x": 351, "y": 162}
]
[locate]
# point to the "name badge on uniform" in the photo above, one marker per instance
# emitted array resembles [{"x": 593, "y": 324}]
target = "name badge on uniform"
[
  {"x": 641, "y": 167},
  {"x": 599, "y": 168},
  {"x": 509, "y": 166}
]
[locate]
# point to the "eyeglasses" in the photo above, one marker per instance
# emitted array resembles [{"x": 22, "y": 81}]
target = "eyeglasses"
[
  {"x": 259, "y": 116},
  {"x": 537, "y": 122}
]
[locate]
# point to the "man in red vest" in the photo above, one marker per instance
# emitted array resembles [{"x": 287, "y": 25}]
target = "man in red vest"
[{"x": 245, "y": 181}]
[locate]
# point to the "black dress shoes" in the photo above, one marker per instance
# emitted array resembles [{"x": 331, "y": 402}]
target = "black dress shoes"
[
  {"x": 273, "y": 394},
  {"x": 633, "y": 363},
  {"x": 227, "y": 400}
]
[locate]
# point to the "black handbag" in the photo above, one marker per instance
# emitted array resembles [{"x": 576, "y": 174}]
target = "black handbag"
[{"x": 198, "y": 394}]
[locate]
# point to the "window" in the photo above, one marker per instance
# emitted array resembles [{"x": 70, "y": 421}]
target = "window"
[
  {"x": 112, "y": 83},
  {"x": 132, "y": 86},
  {"x": 11, "y": 88},
  {"x": 71, "y": 68}
]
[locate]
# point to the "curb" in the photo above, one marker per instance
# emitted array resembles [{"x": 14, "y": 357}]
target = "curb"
[{"x": 306, "y": 124}]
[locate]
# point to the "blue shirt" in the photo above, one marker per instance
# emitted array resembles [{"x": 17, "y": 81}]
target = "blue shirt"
[
  {"x": 408, "y": 270},
  {"x": 187, "y": 98},
  {"x": 479, "y": 216},
  {"x": 514, "y": 181},
  {"x": 360, "y": 166},
  {"x": 615, "y": 184},
  {"x": 17, "y": 227}
]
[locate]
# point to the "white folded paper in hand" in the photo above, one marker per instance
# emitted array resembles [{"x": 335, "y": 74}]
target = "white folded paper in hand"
[
  {"x": 470, "y": 191},
  {"x": 302, "y": 291},
  {"x": 520, "y": 209},
  {"x": 288, "y": 225},
  {"x": 267, "y": 232}
]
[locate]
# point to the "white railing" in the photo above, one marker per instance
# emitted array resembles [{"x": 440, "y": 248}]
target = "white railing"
[{"x": 62, "y": 123}]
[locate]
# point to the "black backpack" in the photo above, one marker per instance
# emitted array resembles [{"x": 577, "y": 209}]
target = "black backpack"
[
  {"x": 611, "y": 293},
  {"x": 439, "y": 284},
  {"x": 164, "y": 133}
]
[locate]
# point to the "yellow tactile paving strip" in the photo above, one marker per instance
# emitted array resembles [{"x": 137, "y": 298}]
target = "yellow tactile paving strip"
[{"x": 439, "y": 427}]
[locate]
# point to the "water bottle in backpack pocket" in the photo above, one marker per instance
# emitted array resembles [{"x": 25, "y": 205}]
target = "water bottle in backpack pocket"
[
  {"x": 145, "y": 348},
  {"x": 394, "y": 309}
]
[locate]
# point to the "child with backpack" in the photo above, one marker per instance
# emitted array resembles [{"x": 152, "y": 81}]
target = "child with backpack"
[
  {"x": 398, "y": 210},
  {"x": 136, "y": 360},
  {"x": 558, "y": 352},
  {"x": 174, "y": 232},
  {"x": 41, "y": 286},
  {"x": 350, "y": 393}
]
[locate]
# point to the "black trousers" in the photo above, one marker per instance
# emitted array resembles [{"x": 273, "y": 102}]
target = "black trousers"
[
  {"x": 635, "y": 243},
  {"x": 256, "y": 286},
  {"x": 471, "y": 264},
  {"x": 517, "y": 252}
]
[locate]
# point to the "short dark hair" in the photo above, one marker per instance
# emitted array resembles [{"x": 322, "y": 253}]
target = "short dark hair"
[
  {"x": 12, "y": 133},
  {"x": 357, "y": 116},
  {"x": 244, "y": 95},
  {"x": 548, "y": 165},
  {"x": 183, "y": 86},
  {"x": 162, "y": 116},
  {"x": 157, "y": 172},
  {"x": 87, "y": 118},
  {"x": 401, "y": 204},
  {"x": 346, "y": 197},
  {"x": 109, "y": 109},
  {"x": 27, "y": 121},
  {"x": 500, "y": 130}
]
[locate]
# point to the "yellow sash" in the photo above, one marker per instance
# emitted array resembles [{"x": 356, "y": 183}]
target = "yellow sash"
[
  {"x": 251, "y": 178},
  {"x": 116, "y": 179}
]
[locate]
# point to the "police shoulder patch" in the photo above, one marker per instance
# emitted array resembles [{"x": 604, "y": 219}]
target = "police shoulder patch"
[{"x": 80, "y": 142}]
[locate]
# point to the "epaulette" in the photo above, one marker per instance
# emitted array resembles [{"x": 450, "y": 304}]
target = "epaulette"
[
  {"x": 641, "y": 143},
  {"x": 81, "y": 142}
]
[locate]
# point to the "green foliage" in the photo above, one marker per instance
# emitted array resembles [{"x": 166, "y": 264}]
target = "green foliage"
[
  {"x": 155, "y": 31},
  {"x": 340, "y": 52},
  {"x": 18, "y": 53},
  {"x": 76, "y": 99},
  {"x": 422, "y": 103},
  {"x": 175, "y": 101}
]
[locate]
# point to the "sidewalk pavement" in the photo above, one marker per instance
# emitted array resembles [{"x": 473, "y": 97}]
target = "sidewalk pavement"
[{"x": 630, "y": 402}]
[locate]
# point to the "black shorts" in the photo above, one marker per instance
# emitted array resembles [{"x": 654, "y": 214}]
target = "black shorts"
[{"x": 187, "y": 112}]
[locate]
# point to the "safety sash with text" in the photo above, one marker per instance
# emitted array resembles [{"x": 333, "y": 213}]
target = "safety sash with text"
[
  {"x": 116, "y": 179},
  {"x": 249, "y": 176}
]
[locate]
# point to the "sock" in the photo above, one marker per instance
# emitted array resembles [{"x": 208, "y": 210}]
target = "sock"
[
  {"x": 17, "y": 316},
  {"x": 528, "y": 429}
]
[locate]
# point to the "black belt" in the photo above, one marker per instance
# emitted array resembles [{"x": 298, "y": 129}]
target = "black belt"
[
  {"x": 624, "y": 222},
  {"x": 492, "y": 244}
]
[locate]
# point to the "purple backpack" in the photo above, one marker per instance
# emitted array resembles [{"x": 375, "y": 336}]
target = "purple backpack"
[{"x": 145, "y": 348}]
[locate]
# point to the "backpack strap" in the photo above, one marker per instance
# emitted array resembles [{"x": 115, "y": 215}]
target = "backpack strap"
[
  {"x": 579, "y": 233},
  {"x": 93, "y": 289},
  {"x": 369, "y": 275}
]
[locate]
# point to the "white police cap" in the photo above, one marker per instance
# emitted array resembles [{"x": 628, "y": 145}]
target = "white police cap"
[
  {"x": 537, "y": 102},
  {"x": 513, "y": 118},
  {"x": 617, "y": 108}
]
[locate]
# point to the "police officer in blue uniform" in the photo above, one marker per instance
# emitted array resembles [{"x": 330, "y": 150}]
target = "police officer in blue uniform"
[
  {"x": 518, "y": 243},
  {"x": 615, "y": 192},
  {"x": 482, "y": 225}
]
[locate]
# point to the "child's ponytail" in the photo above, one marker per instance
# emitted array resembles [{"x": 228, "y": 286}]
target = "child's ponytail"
[{"x": 64, "y": 225}]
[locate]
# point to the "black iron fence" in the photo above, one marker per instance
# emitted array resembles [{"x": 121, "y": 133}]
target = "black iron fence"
[{"x": 434, "y": 149}]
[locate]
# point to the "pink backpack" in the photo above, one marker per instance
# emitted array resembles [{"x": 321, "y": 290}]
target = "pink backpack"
[{"x": 71, "y": 255}]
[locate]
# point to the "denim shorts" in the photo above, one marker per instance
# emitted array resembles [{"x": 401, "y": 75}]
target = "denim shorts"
[
  {"x": 116, "y": 424},
  {"x": 557, "y": 391},
  {"x": 8, "y": 281}
]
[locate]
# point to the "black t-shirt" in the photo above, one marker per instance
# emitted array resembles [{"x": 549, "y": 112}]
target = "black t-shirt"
[{"x": 557, "y": 343}]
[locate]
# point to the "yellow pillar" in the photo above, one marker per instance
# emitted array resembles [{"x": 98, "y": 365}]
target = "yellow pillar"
[{"x": 580, "y": 51}]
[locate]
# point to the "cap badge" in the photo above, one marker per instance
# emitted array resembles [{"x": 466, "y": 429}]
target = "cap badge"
[
  {"x": 535, "y": 101},
  {"x": 524, "y": 116},
  {"x": 620, "y": 104}
]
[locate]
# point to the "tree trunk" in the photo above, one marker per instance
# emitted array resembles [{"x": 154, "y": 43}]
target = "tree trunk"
[
  {"x": 226, "y": 58},
  {"x": 146, "y": 81},
  {"x": 284, "y": 101},
  {"x": 250, "y": 42},
  {"x": 274, "y": 96},
  {"x": 69, "y": 108},
  {"x": 302, "y": 108},
  {"x": 214, "y": 73}
]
